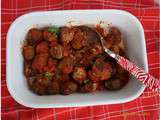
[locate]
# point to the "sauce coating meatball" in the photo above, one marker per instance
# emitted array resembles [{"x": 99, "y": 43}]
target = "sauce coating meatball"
[
  {"x": 118, "y": 82},
  {"x": 66, "y": 64},
  {"x": 28, "y": 52},
  {"x": 50, "y": 66},
  {"x": 42, "y": 48},
  {"x": 51, "y": 37},
  {"x": 61, "y": 77},
  {"x": 34, "y": 36},
  {"x": 100, "y": 71},
  {"x": 66, "y": 35},
  {"x": 90, "y": 54},
  {"x": 79, "y": 39},
  {"x": 57, "y": 51},
  {"x": 53, "y": 88},
  {"x": 88, "y": 87},
  {"x": 39, "y": 84},
  {"x": 68, "y": 88},
  {"x": 113, "y": 37},
  {"x": 40, "y": 62},
  {"x": 28, "y": 70},
  {"x": 79, "y": 74}
]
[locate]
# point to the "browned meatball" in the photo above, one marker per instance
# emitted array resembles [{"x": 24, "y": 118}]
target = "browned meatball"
[
  {"x": 34, "y": 36},
  {"x": 79, "y": 39},
  {"x": 51, "y": 65},
  {"x": 68, "y": 88},
  {"x": 96, "y": 48},
  {"x": 51, "y": 37},
  {"x": 66, "y": 35},
  {"x": 40, "y": 62},
  {"x": 28, "y": 70},
  {"x": 88, "y": 87},
  {"x": 117, "y": 82},
  {"x": 87, "y": 59},
  {"x": 113, "y": 84},
  {"x": 66, "y": 50},
  {"x": 117, "y": 34},
  {"x": 60, "y": 77},
  {"x": 113, "y": 37},
  {"x": 78, "y": 54},
  {"x": 53, "y": 88},
  {"x": 39, "y": 84},
  {"x": 89, "y": 55},
  {"x": 28, "y": 52},
  {"x": 120, "y": 70},
  {"x": 42, "y": 47},
  {"x": 66, "y": 65},
  {"x": 91, "y": 35},
  {"x": 79, "y": 74},
  {"x": 100, "y": 71},
  {"x": 57, "y": 51}
]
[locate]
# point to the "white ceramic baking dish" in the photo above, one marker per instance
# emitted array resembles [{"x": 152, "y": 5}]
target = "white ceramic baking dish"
[{"x": 135, "y": 47}]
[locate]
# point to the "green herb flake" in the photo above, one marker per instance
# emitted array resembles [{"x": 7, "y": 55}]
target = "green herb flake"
[
  {"x": 86, "y": 80},
  {"x": 47, "y": 75},
  {"x": 53, "y": 29}
]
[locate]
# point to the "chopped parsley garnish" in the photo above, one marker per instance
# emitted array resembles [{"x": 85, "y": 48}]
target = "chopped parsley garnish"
[
  {"x": 53, "y": 29},
  {"x": 47, "y": 75}
]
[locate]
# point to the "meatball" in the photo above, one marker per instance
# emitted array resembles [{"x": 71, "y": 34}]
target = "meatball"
[
  {"x": 39, "y": 84},
  {"x": 34, "y": 36},
  {"x": 60, "y": 77},
  {"x": 79, "y": 74},
  {"x": 90, "y": 54},
  {"x": 79, "y": 39},
  {"x": 66, "y": 50},
  {"x": 100, "y": 71},
  {"x": 117, "y": 82},
  {"x": 28, "y": 70},
  {"x": 53, "y": 88},
  {"x": 66, "y": 35},
  {"x": 87, "y": 59},
  {"x": 91, "y": 35},
  {"x": 114, "y": 70},
  {"x": 79, "y": 54},
  {"x": 28, "y": 52},
  {"x": 113, "y": 37},
  {"x": 57, "y": 51},
  {"x": 51, "y": 37},
  {"x": 40, "y": 62},
  {"x": 88, "y": 87},
  {"x": 42, "y": 47},
  {"x": 68, "y": 88},
  {"x": 113, "y": 84},
  {"x": 96, "y": 48},
  {"x": 117, "y": 34},
  {"x": 66, "y": 64},
  {"x": 51, "y": 65},
  {"x": 120, "y": 70}
]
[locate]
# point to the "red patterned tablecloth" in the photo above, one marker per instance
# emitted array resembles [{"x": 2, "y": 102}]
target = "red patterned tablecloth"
[{"x": 146, "y": 107}]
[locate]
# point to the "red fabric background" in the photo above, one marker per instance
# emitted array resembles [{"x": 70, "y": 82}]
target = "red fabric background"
[{"x": 146, "y": 107}]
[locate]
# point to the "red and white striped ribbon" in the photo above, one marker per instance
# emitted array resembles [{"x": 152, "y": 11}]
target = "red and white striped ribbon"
[{"x": 147, "y": 79}]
